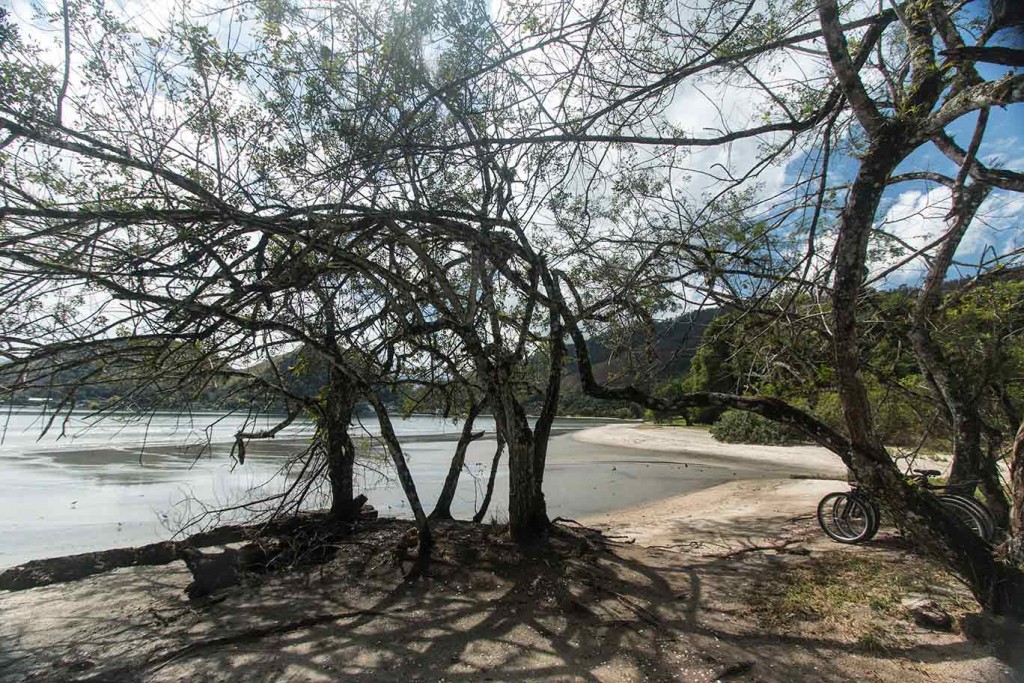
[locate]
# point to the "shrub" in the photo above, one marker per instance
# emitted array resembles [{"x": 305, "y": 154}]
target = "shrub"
[{"x": 738, "y": 426}]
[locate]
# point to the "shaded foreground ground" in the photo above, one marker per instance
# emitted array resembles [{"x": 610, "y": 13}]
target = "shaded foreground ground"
[
  {"x": 733, "y": 582},
  {"x": 585, "y": 607}
]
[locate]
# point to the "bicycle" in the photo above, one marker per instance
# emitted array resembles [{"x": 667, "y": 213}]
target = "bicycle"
[
  {"x": 967, "y": 509},
  {"x": 854, "y": 517},
  {"x": 849, "y": 517}
]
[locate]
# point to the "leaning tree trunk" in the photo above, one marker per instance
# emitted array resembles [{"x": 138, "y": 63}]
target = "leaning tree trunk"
[
  {"x": 556, "y": 362},
  {"x": 443, "y": 507},
  {"x": 489, "y": 493},
  {"x": 394, "y": 446},
  {"x": 996, "y": 585},
  {"x": 340, "y": 451},
  {"x": 1015, "y": 546}
]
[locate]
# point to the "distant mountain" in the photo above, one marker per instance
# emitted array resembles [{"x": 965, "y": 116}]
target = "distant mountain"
[
  {"x": 675, "y": 343},
  {"x": 96, "y": 381}
]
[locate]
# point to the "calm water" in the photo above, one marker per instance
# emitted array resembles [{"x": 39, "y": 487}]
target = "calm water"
[{"x": 123, "y": 481}]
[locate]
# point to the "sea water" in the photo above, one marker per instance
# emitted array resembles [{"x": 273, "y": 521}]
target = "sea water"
[{"x": 124, "y": 480}]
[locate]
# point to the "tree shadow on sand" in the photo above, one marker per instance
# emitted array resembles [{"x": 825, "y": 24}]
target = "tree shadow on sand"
[{"x": 578, "y": 607}]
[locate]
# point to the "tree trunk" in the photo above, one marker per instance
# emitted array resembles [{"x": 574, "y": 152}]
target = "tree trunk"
[
  {"x": 479, "y": 516},
  {"x": 972, "y": 466},
  {"x": 1017, "y": 484},
  {"x": 527, "y": 512},
  {"x": 341, "y": 452},
  {"x": 856, "y": 222},
  {"x": 443, "y": 507},
  {"x": 975, "y": 467},
  {"x": 963, "y": 474},
  {"x": 997, "y": 586},
  {"x": 1013, "y": 548},
  {"x": 394, "y": 447},
  {"x": 528, "y": 519},
  {"x": 992, "y": 485},
  {"x": 556, "y": 366}
]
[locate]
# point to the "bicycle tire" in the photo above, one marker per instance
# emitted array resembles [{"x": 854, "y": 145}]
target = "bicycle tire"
[
  {"x": 980, "y": 522},
  {"x": 966, "y": 514},
  {"x": 877, "y": 516},
  {"x": 846, "y": 518},
  {"x": 986, "y": 516},
  {"x": 856, "y": 517},
  {"x": 873, "y": 513}
]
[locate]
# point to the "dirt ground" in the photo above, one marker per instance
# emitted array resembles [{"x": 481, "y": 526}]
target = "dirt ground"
[
  {"x": 582, "y": 608},
  {"x": 735, "y": 582}
]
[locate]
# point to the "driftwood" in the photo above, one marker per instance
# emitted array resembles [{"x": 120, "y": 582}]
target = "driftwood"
[
  {"x": 214, "y": 570},
  {"x": 74, "y": 567}
]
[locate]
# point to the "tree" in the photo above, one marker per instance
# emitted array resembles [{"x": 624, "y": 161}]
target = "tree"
[
  {"x": 504, "y": 179},
  {"x": 910, "y": 105},
  {"x": 197, "y": 198}
]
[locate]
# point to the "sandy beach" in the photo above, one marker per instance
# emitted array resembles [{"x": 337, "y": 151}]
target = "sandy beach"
[
  {"x": 779, "y": 484},
  {"x": 691, "y": 587},
  {"x": 697, "y": 444}
]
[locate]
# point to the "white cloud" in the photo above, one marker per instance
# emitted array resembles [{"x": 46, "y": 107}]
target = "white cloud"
[{"x": 916, "y": 221}]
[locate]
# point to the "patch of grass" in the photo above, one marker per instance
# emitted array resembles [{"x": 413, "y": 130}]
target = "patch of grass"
[
  {"x": 879, "y": 639},
  {"x": 859, "y": 594},
  {"x": 828, "y": 587}
]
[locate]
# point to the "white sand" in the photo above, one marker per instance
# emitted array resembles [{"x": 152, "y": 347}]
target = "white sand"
[
  {"x": 733, "y": 515},
  {"x": 697, "y": 443},
  {"x": 722, "y": 518}
]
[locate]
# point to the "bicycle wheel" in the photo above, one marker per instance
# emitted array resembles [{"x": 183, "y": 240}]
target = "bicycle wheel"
[
  {"x": 846, "y": 518},
  {"x": 876, "y": 517},
  {"x": 986, "y": 517},
  {"x": 851, "y": 521},
  {"x": 972, "y": 513},
  {"x": 855, "y": 517},
  {"x": 966, "y": 513}
]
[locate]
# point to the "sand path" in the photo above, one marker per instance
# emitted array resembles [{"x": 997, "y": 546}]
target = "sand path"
[{"x": 785, "y": 489}]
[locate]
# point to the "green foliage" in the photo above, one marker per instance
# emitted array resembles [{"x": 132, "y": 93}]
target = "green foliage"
[
  {"x": 23, "y": 84},
  {"x": 738, "y": 426},
  {"x": 574, "y": 402},
  {"x": 786, "y": 355},
  {"x": 980, "y": 330}
]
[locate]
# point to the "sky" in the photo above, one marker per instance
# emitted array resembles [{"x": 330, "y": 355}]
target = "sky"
[{"x": 913, "y": 212}]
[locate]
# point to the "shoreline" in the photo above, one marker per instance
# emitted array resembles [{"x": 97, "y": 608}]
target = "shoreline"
[
  {"x": 628, "y": 472},
  {"x": 781, "y": 484},
  {"x": 696, "y": 574},
  {"x": 90, "y": 500}
]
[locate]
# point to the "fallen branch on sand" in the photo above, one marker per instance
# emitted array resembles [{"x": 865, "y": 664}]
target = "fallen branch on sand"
[{"x": 74, "y": 567}]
